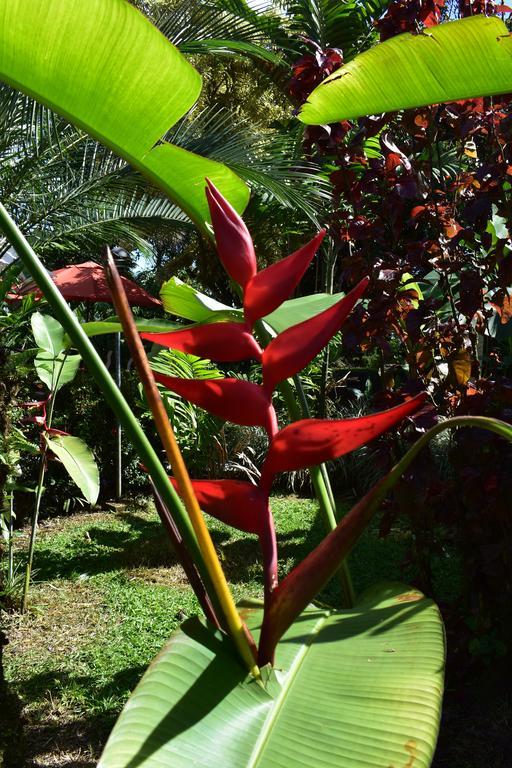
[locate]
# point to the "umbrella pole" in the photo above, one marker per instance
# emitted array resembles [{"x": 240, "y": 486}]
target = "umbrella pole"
[{"x": 119, "y": 467}]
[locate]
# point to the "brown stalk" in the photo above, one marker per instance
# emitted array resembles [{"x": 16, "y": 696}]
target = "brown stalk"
[{"x": 233, "y": 622}]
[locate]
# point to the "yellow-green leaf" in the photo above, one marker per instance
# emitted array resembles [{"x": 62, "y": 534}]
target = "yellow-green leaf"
[{"x": 457, "y": 60}]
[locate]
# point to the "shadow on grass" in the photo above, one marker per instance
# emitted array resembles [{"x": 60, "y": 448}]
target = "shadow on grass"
[
  {"x": 80, "y": 738},
  {"x": 143, "y": 543}
]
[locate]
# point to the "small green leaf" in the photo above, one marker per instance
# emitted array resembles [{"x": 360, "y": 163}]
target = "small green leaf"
[
  {"x": 457, "y": 60},
  {"x": 55, "y": 372},
  {"x": 79, "y": 462},
  {"x": 112, "y": 325},
  {"x": 48, "y": 333},
  {"x": 297, "y": 310},
  {"x": 183, "y": 300}
]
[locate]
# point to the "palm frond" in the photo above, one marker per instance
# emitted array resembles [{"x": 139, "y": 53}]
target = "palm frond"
[{"x": 271, "y": 161}]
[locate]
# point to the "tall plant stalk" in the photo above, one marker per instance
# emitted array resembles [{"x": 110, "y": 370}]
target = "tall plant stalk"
[
  {"x": 236, "y": 628},
  {"x": 319, "y": 476}
]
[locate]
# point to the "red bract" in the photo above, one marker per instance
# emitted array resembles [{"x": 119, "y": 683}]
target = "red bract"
[
  {"x": 293, "y": 349},
  {"x": 231, "y": 399},
  {"x": 234, "y": 502},
  {"x": 224, "y": 342},
  {"x": 234, "y": 243},
  {"x": 269, "y": 288},
  {"x": 310, "y": 442},
  {"x": 306, "y": 580},
  {"x": 243, "y": 506}
]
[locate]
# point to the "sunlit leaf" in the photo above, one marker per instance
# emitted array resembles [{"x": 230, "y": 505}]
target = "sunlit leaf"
[
  {"x": 79, "y": 462},
  {"x": 457, "y": 60},
  {"x": 354, "y": 688}
]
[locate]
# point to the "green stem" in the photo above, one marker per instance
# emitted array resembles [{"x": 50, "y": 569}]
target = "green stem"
[
  {"x": 10, "y": 550},
  {"x": 39, "y": 492},
  {"x": 33, "y": 530},
  {"x": 323, "y": 490},
  {"x": 107, "y": 385}
]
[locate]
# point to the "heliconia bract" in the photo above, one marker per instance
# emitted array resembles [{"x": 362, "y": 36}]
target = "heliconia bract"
[
  {"x": 294, "y": 348},
  {"x": 234, "y": 243},
  {"x": 309, "y": 442},
  {"x": 267, "y": 290},
  {"x": 243, "y": 506},
  {"x": 231, "y": 399},
  {"x": 225, "y": 342},
  {"x": 234, "y": 502}
]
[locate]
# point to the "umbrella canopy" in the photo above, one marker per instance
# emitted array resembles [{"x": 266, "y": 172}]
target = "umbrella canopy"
[{"x": 87, "y": 282}]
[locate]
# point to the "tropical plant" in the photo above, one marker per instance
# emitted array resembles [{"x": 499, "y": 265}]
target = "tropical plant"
[
  {"x": 422, "y": 197},
  {"x": 245, "y": 506},
  {"x": 55, "y": 367},
  {"x": 209, "y": 712}
]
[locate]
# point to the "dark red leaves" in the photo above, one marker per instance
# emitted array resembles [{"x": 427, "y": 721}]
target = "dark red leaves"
[
  {"x": 216, "y": 341},
  {"x": 269, "y": 288},
  {"x": 234, "y": 502},
  {"x": 231, "y": 399},
  {"x": 306, "y": 580},
  {"x": 310, "y": 442},
  {"x": 293, "y": 349},
  {"x": 234, "y": 243}
]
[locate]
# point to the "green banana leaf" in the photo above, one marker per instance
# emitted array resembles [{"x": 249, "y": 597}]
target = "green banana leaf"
[
  {"x": 79, "y": 463},
  {"x": 106, "y": 68},
  {"x": 297, "y": 310},
  {"x": 457, "y": 60},
  {"x": 358, "y": 688},
  {"x": 183, "y": 300}
]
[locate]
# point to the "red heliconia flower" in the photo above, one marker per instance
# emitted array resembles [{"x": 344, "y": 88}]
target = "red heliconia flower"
[
  {"x": 269, "y": 288},
  {"x": 234, "y": 243},
  {"x": 224, "y": 342},
  {"x": 234, "y": 502},
  {"x": 243, "y": 506},
  {"x": 310, "y": 442},
  {"x": 230, "y": 399},
  {"x": 293, "y": 349}
]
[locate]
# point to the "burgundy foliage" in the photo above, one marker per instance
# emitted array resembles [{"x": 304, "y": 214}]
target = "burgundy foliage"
[{"x": 427, "y": 192}]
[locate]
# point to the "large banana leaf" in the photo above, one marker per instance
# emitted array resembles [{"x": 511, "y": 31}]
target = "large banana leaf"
[
  {"x": 360, "y": 688},
  {"x": 457, "y": 60},
  {"x": 106, "y": 68}
]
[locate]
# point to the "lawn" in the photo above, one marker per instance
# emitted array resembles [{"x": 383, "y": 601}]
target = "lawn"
[{"x": 107, "y": 595}]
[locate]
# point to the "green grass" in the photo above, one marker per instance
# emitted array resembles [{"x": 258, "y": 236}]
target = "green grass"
[{"x": 107, "y": 595}]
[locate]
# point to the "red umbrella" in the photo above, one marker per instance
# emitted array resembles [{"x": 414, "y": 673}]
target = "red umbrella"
[{"x": 87, "y": 282}]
